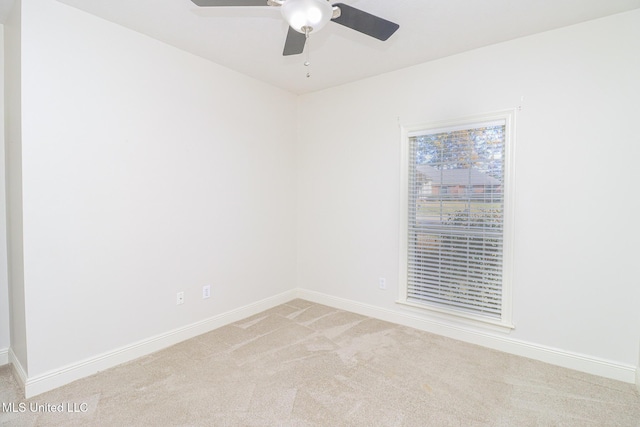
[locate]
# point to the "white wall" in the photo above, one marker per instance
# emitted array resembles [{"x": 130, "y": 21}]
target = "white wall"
[
  {"x": 576, "y": 226},
  {"x": 146, "y": 171},
  {"x": 13, "y": 152},
  {"x": 4, "y": 283}
]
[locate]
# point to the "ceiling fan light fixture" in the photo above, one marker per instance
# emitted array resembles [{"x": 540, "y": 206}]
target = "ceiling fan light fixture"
[{"x": 307, "y": 14}]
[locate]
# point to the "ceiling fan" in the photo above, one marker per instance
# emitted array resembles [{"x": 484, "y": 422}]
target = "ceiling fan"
[{"x": 305, "y": 16}]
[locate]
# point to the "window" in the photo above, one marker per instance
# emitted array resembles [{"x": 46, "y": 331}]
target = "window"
[{"x": 456, "y": 227}]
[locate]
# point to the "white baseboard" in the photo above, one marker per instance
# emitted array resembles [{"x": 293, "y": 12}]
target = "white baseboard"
[
  {"x": 18, "y": 369},
  {"x": 56, "y": 378},
  {"x": 578, "y": 362},
  {"x": 67, "y": 374},
  {"x": 4, "y": 356},
  {"x": 638, "y": 370}
]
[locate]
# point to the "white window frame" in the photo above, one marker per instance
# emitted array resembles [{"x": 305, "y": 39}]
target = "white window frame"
[{"x": 504, "y": 323}]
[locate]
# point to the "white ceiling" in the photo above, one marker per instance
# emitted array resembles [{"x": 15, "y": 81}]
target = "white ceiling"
[{"x": 250, "y": 39}]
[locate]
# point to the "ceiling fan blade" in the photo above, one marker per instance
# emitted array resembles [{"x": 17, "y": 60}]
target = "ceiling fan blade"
[
  {"x": 294, "y": 45},
  {"x": 216, "y": 3},
  {"x": 364, "y": 22}
]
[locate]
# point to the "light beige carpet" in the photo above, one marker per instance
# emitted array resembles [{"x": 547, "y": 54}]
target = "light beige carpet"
[{"x": 304, "y": 364}]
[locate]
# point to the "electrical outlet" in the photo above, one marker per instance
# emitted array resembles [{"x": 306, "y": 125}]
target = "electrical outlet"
[
  {"x": 382, "y": 283},
  {"x": 180, "y": 298},
  {"x": 206, "y": 291}
]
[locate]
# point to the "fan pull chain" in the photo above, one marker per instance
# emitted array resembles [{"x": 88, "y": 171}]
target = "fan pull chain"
[{"x": 307, "y": 45}]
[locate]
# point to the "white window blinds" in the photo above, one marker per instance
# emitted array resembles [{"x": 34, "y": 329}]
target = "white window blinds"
[{"x": 455, "y": 221}]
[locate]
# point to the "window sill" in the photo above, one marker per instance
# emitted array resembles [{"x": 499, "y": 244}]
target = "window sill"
[{"x": 466, "y": 319}]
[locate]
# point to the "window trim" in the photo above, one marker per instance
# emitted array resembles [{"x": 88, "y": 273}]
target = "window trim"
[{"x": 505, "y": 323}]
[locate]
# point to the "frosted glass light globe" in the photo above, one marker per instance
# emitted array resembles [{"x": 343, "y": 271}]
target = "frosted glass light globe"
[{"x": 314, "y": 14}]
